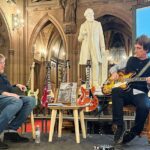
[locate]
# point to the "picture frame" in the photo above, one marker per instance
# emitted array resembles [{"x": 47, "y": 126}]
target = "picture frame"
[{"x": 67, "y": 92}]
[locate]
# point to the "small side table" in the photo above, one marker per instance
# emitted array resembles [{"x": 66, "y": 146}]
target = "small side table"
[{"x": 77, "y": 111}]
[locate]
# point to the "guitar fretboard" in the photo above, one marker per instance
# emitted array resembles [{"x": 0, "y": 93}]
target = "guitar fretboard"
[
  {"x": 88, "y": 75},
  {"x": 48, "y": 78},
  {"x": 136, "y": 79}
]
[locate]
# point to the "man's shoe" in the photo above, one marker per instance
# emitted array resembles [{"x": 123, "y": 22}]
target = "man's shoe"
[
  {"x": 3, "y": 145},
  {"x": 118, "y": 134},
  {"x": 128, "y": 136},
  {"x": 15, "y": 137}
]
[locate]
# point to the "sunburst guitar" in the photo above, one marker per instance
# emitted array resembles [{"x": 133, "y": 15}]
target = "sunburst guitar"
[{"x": 122, "y": 82}]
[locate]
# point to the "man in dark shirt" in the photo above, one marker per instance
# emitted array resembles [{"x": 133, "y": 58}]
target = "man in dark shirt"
[
  {"x": 136, "y": 95},
  {"x": 14, "y": 109}
]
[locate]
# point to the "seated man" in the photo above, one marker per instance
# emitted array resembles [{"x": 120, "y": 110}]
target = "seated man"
[
  {"x": 136, "y": 95},
  {"x": 14, "y": 109}
]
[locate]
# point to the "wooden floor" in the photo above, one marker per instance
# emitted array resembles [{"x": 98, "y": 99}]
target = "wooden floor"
[{"x": 67, "y": 142}]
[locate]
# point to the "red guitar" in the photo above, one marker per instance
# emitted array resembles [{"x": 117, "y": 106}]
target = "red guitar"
[
  {"x": 48, "y": 95},
  {"x": 87, "y": 94}
]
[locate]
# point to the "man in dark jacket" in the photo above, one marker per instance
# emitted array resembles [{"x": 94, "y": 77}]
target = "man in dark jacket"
[
  {"x": 14, "y": 108},
  {"x": 136, "y": 95}
]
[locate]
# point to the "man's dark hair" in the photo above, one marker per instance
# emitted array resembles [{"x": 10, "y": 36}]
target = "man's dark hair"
[{"x": 144, "y": 41}]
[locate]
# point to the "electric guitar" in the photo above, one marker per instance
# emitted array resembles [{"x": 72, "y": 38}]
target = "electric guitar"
[
  {"x": 48, "y": 95},
  {"x": 122, "y": 82},
  {"x": 87, "y": 94},
  {"x": 30, "y": 92}
]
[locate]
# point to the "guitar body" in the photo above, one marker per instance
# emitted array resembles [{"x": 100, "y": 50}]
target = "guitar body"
[
  {"x": 48, "y": 97},
  {"x": 85, "y": 99},
  {"x": 87, "y": 94},
  {"x": 33, "y": 94},
  {"x": 121, "y": 82}
]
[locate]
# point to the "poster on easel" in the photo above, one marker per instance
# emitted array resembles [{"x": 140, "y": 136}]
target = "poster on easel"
[{"x": 67, "y": 92}]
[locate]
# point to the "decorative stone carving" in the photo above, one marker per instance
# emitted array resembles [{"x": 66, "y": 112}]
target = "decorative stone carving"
[{"x": 69, "y": 7}]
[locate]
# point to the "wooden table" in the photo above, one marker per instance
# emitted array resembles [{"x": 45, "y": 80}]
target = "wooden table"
[{"x": 77, "y": 111}]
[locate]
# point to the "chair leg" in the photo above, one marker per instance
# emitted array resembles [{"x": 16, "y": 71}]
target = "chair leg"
[
  {"x": 32, "y": 124},
  {"x": 60, "y": 123},
  {"x": 82, "y": 123},
  {"x": 76, "y": 123},
  {"x": 52, "y": 125}
]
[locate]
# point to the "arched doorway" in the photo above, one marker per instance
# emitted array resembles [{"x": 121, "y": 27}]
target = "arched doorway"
[
  {"x": 49, "y": 45},
  {"x": 4, "y": 40},
  {"x": 118, "y": 37}
]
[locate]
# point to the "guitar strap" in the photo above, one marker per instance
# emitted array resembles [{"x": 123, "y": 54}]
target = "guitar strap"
[{"x": 144, "y": 69}]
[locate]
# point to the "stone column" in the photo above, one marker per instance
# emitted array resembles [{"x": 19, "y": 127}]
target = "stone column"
[{"x": 11, "y": 64}]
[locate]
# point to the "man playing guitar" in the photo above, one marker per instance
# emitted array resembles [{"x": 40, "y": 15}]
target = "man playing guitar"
[{"x": 136, "y": 95}]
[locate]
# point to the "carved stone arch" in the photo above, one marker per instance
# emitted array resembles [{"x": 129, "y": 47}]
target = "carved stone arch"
[
  {"x": 117, "y": 26},
  {"x": 118, "y": 12},
  {"x": 38, "y": 27},
  {"x": 41, "y": 73}
]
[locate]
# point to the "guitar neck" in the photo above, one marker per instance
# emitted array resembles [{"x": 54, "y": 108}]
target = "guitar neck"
[
  {"x": 28, "y": 83},
  {"x": 88, "y": 78},
  {"x": 48, "y": 80},
  {"x": 32, "y": 77},
  {"x": 137, "y": 79},
  {"x": 64, "y": 75}
]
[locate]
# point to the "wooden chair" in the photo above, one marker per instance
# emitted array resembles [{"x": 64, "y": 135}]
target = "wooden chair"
[
  {"x": 77, "y": 111},
  {"x": 146, "y": 131}
]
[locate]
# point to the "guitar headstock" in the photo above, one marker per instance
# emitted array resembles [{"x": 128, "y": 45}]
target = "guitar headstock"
[
  {"x": 31, "y": 71},
  {"x": 48, "y": 65},
  {"x": 68, "y": 63},
  {"x": 33, "y": 65},
  {"x": 88, "y": 64}
]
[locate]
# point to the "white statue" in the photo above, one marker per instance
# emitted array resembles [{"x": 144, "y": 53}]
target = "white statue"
[{"x": 93, "y": 47}]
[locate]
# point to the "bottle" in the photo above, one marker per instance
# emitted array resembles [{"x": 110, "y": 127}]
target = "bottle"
[{"x": 37, "y": 134}]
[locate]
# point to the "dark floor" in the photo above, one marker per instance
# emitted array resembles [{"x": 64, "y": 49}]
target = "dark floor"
[{"x": 67, "y": 142}]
